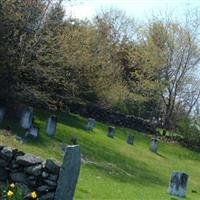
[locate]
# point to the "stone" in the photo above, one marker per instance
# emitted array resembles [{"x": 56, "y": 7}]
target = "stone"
[
  {"x": 3, "y": 163},
  {"x": 2, "y": 113},
  {"x": 52, "y": 166},
  {"x": 53, "y": 177},
  {"x": 51, "y": 125},
  {"x": 111, "y": 131},
  {"x": 45, "y": 174},
  {"x": 19, "y": 177},
  {"x": 34, "y": 170},
  {"x": 154, "y": 145},
  {"x": 33, "y": 132},
  {"x": 6, "y": 153},
  {"x": 130, "y": 139},
  {"x": 28, "y": 160},
  {"x": 3, "y": 174},
  {"x": 23, "y": 187},
  {"x": 26, "y": 118},
  {"x": 43, "y": 188},
  {"x": 90, "y": 124},
  {"x": 48, "y": 196},
  {"x": 69, "y": 173},
  {"x": 178, "y": 184},
  {"x": 50, "y": 183}
]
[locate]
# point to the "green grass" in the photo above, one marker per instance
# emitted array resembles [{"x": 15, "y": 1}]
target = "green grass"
[{"x": 117, "y": 170}]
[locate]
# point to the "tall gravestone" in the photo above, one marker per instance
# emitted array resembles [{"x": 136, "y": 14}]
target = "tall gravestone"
[
  {"x": 154, "y": 145},
  {"x": 27, "y": 118},
  {"x": 178, "y": 184},
  {"x": 2, "y": 113},
  {"x": 69, "y": 173},
  {"x": 90, "y": 124},
  {"x": 130, "y": 139},
  {"x": 51, "y": 125},
  {"x": 111, "y": 131}
]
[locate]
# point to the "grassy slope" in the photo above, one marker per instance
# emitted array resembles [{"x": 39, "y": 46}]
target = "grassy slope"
[{"x": 118, "y": 170}]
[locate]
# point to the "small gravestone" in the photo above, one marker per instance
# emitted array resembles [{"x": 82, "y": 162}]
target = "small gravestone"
[
  {"x": 33, "y": 132},
  {"x": 2, "y": 113},
  {"x": 69, "y": 174},
  {"x": 154, "y": 145},
  {"x": 130, "y": 139},
  {"x": 73, "y": 140},
  {"x": 90, "y": 124},
  {"x": 111, "y": 131},
  {"x": 27, "y": 118},
  {"x": 51, "y": 125},
  {"x": 178, "y": 184}
]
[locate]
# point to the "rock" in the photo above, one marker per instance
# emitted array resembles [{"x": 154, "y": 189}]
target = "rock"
[
  {"x": 43, "y": 188},
  {"x": 6, "y": 153},
  {"x": 19, "y": 177},
  {"x": 28, "y": 160},
  {"x": 48, "y": 196},
  {"x": 50, "y": 183},
  {"x": 45, "y": 174},
  {"x": 34, "y": 170},
  {"x": 53, "y": 177},
  {"x": 23, "y": 187},
  {"x": 3, "y": 174},
  {"x": 3, "y": 163},
  {"x": 52, "y": 166}
]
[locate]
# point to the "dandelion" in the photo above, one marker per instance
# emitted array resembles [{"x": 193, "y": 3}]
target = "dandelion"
[
  {"x": 10, "y": 193},
  {"x": 12, "y": 185},
  {"x": 34, "y": 195}
]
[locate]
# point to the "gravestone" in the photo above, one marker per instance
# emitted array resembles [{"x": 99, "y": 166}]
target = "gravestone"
[
  {"x": 130, "y": 139},
  {"x": 33, "y": 132},
  {"x": 73, "y": 140},
  {"x": 154, "y": 145},
  {"x": 2, "y": 113},
  {"x": 178, "y": 184},
  {"x": 90, "y": 124},
  {"x": 69, "y": 173},
  {"x": 111, "y": 131},
  {"x": 51, "y": 125},
  {"x": 27, "y": 118}
]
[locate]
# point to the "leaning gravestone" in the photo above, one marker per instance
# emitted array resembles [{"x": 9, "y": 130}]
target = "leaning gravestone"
[
  {"x": 33, "y": 132},
  {"x": 111, "y": 131},
  {"x": 130, "y": 139},
  {"x": 2, "y": 113},
  {"x": 27, "y": 118},
  {"x": 51, "y": 125},
  {"x": 90, "y": 124},
  {"x": 154, "y": 145},
  {"x": 177, "y": 184},
  {"x": 69, "y": 173}
]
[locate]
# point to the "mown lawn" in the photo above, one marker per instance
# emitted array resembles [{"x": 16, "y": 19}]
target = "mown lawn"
[{"x": 115, "y": 169}]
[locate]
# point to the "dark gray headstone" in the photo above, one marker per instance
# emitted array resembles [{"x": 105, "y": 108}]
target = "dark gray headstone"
[
  {"x": 27, "y": 118},
  {"x": 178, "y": 184},
  {"x": 51, "y": 125},
  {"x": 33, "y": 132},
  {"x": 154, "y": 145},
  {"x": 130, "y": 139},
  {"x": 2, "y": 113},
  {"x": 90, "y": 124},
  {"x": 111, "y": 131},
  {"x": 69, "y": 174}
]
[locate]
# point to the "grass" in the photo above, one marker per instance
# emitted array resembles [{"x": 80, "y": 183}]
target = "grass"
[{"x": 116, "y": 170}]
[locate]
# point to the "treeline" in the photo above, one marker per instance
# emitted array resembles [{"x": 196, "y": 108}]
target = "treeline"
[{"x": 148, "y": 69}]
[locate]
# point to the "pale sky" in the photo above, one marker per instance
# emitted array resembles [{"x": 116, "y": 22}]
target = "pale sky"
[{"x": 138, "y": 9}]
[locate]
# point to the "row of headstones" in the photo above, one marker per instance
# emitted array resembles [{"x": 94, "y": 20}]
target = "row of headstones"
[
  {"x": 26, "y": 122},
  {"x": 178, "y": 182}
]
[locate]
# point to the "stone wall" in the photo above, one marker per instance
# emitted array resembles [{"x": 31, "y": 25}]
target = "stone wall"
[
  {"x": 115, "y": 118},
  {"x": 29, "y": 172}
]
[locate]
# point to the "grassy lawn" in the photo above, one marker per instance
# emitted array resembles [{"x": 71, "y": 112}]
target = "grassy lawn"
[{"x": 116, "y": 170}]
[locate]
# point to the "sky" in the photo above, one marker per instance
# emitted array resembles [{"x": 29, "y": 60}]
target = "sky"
[{"x": 139, "y": 9}]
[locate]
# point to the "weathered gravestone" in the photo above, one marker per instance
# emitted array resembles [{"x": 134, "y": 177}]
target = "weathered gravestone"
[
  {"x": 154, "y": 145},
  {"x": 90, "y": 124},
  {"x": 2, "y": 113},
  {"x": 69, "y": 173},
  {"x": 27, "y": 118},
  {"x": 178, "y": 184},
  {"x": 33, "y": 132},
  {"x": 130, "y": 139},
  {"x": 111, "y": 131},
  {"x": 51, "y": 125}
]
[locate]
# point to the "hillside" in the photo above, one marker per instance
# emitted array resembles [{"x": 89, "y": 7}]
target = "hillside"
[{"x": 113, "y": 169}]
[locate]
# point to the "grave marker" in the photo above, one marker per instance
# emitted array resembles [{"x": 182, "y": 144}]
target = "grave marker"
[
  {"x": 27, "y": 118},
  {"x": 90, "y": 124},
  {"x": 111, "y": 131},
  {"x": 154, "y": 145},
  {"x": 51, "y": 125},
  {"x": 130, "y": 139}
]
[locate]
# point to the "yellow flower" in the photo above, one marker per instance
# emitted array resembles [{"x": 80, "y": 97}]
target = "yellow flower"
[
  {"x": 10, "y": 193},
  {"x": 34, "y": 195},
  {"x": 12, "y": 185}
]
